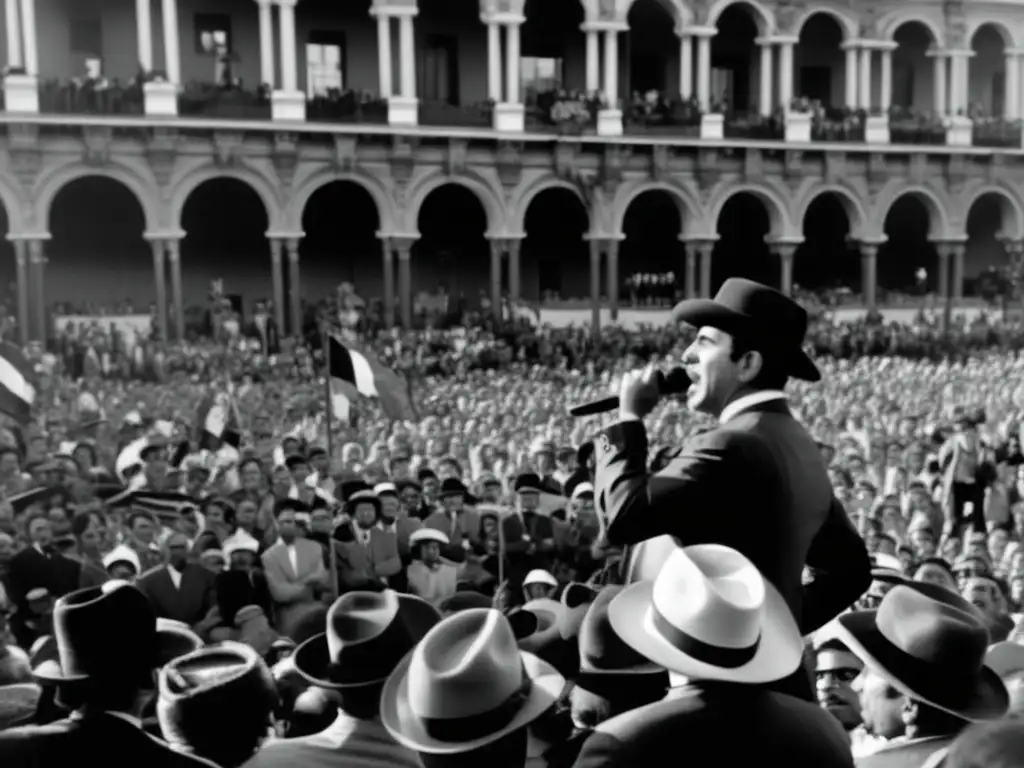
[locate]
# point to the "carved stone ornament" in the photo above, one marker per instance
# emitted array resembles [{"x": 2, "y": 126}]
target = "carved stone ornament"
[
  {"x": 286, "y": 156},
  {"x": 835, "y": 167},
  {"x": 162, "y": 153},
  {"x": 509, "y": 163},
  {"x": 612, "y": 166},
  {"x": 753, "y": 164},
  {"x": 402, "y": 160},
  {"x": 457, "y": 161},
  {"x": 707, "y": 170},
  {"x": 661, "y": 162},
  {"x": 345, "y": 158},
  {"x": 25, "y": 153},
  {"x": 878, "y": 173},
  {"x": 96, "y": 141},
  {"x": 227, "y": 147},
  {"x": 565, "y": 160},
  {"x": 957, "y": 171},
  {"x": 606, "y": 10}
]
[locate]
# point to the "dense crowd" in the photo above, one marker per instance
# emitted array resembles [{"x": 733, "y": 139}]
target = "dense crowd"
[{"x": 471, "y": 521}]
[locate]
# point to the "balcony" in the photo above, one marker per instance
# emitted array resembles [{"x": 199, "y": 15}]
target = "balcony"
[
  {"x": 443, "y": 114},
  {"x": 829, "y": 124},
  {"x": 751, "y": 125},
  {"x": 90, "y": 97},
  {"x": 229, "y": 103},
  {"x": 654, "y": 114},
  {"x": 997, "y": 133},
  {"x": 563, "y": 112},
  {"x": 912, "y": 127},
  {"x": 350, "y": 107}
]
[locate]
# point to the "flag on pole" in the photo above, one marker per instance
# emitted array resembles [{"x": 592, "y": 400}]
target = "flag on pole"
[
  {"x": 216, "y": 422},
  {"x": 17, "y": 391},
  {"x": 355, "y": 372}
]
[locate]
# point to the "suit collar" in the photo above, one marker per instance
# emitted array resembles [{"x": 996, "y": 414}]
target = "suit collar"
[{"x": 773, "y": 397}]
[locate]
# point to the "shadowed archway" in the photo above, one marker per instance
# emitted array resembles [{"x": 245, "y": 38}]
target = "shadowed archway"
[
  {"x": 741, "y": 250},
  {"x": 554, "y": 255},
  {"x": 651, "y": 256}
]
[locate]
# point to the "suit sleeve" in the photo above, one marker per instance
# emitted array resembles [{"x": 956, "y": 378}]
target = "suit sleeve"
[
  {"x": 392, "y": 563},
  {"x": 281, "y": 590},
  {"x": 840, "y": 570},
  {"x": 677, "y": 500}
]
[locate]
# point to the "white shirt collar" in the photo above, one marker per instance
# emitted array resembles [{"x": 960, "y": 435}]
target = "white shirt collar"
[{"x": 747, "y": 402}]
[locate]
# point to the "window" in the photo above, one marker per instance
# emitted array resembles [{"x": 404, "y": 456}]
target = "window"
[
  {"x": 86, "y": 35},
  {"x": 441, "y": 69},
  {"x": 325, "y": 63},
  {"x": 213, "y": 33},
  {"x": 539, "y": 75}
]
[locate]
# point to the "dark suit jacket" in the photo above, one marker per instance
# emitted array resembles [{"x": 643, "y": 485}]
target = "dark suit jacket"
[
  {"x": 739, "y": 725},
  {"x": 758, "y": 484},
  {"x": 30, "y": 569},
  {"x": 188, "y": 603},
  {"x": 359, "y": 565},
  {"x": 102, "y": 739}
]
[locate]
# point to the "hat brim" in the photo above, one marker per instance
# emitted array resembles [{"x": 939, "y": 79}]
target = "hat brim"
[
  {"x": 779, "y": 652},
  {"x": 987, "y": 700},
  {"x": 550, "y": 615},
  {"x": 401, "y": 722},
  {"x": 700, "y": 312},
  {"x": 1006, "y": 659},
  {"x": 18, "y": 703}
]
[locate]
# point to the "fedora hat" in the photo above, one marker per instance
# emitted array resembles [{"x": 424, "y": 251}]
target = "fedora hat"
[
  {"x": 602, "y": 651},
  {"x": 175, "y": 639},
  {"x": 930, "y": 645},
  {"x": 18, "y": 703},
  {"x": 550, "y": 614},
  {"x": 710, "y": 615},
  {"x": 103, "y": 633},
  {"x": 576, "y": 600},
  {"x": 367, "y": 634},
  {"x": 466, "y": 685},
  {"x": 773, "y": 322}
]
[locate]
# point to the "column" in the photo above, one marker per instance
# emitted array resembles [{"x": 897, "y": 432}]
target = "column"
[
  {"x": 37, "y": 270},
  {"x": 1011, "y": 105},
  {"x": 685, "y": 67},
  {"x": 385, "y": 76},
  {"x": 267, "y": 76},
  {"x": 289, "y": 60},
  {"x": 706, "y": 248},
  {"x": 28, "y": 21},
  {"x": 886, "y": 80},
  {"x": 704, "y": 72},
  {"x": 944, "y": 252},
  {"x": 764, "y": 101},
  {"x": 12, "y": 19},
  {"x": 691, "y": 270},
  {"x": 403, "y": 245},
  {"x": 512, "y": 74},
  {"x": 388, "y": 260},
  {"x": 865, "y": 79},
  {"x": 407, "y": 53},
  {"x": 277, "y": 280},
  {"x": 850, "y": 74},
  {"x": 172, "y": 48},
  {"x": 611, "y": 68},
  {"x": 294, "y": 286},
  {"x": 494, "y": 62},
  {"x": 939, "y": 83},
  {"x": 869, "y": 274},
  {"x": 496, "y": 250},
  {"x": 786, "y": 74},
  {"x": 143, "y": 33},
  {"x": 785, "y": 252},
  {"x": 613, "y": 278},
  {"x": 514, "y": 287},
  {"x": 24, "y": 286},
  {"x": 595, "y": 287},
  {"x": 957, "y": 251},
  {"x": 177, "y": 296},
  {"x": 593, "y": 61},
  {"x": 160, "y": 278}
]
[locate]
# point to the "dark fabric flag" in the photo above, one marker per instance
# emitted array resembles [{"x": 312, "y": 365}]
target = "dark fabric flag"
[
  {"x": 216, "y": 423},
  {"x": 355, "y": 372},
  {"x": 17, "y": 390}
]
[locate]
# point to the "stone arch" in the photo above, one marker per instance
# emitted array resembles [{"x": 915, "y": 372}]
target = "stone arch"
[
  {"x": 763, "y": 16},
  {"x": 259, "y": 184},
  {"x": 52, "y": 183},
  {"x": 975, "y": 25},
  {"x": 297, "y": 206},
  {"x": 490, "y": 199},
  {"x": 13, "y": 205},
  {"x": 689, "y": 209},
  {"x": 847, "y": 24},
  {"x": 519, "y": 205},
  {"x": 778, "y": 214},
  {"x": 680, "y": 12},
  {"x": 939, "y": 227},
  {"x": 855, "y": 211},
  {"x": 1011, "y": 205},
  {"x": 889, "y": 26}
]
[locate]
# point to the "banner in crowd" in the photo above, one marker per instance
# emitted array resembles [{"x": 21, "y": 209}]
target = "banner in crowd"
[{"x": 130, "y": 328}]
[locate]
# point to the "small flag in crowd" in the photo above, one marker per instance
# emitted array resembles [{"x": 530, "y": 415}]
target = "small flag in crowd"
[
  {"x": 216, "y": 422},
  {"x": 355, "y": 372},
  {"x": 17, "y": 392}
]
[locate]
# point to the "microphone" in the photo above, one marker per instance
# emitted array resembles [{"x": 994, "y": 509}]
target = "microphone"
[{"x": 675, "y": 382}]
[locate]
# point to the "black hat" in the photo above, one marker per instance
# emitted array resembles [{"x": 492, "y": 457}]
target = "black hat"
[
  {"x": 154, "y": 445},
  {"x": 349, "y": 488},
  {"x": 528, "y": 482},
  {"x": 424, "y": 473},
  {"x": 368, "y": 633},
  {"x": 452, "y": 486},
  {"x": 361, "y": 497},
  {"x": 295, "y": 460},
  {"x": 315, "y": 451},
  {"x": 104, "y": 633},
  {"x": 772, "y": 322}
]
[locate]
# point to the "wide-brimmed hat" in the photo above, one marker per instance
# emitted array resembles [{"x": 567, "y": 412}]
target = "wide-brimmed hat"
[
  {"x": 174, "y": 640},
  {"x": 452, "y": 486},
  {"x": 550, "y": 614},
  {"x": 710, "y": 615},
  {"x": 361, "y": 497},
  {"x": 930, "y": 645},
  {"x": 367, "y": 634},
  {"x": 1006, "y": 659},
  {"x": 772, "y": 322},
  {"x": 421, "y": 535},
  {"x": 103, "y": 633},
  {"x": 576, "y": 598},
  {"x": 18, "y": 704},
  {"x": 466, "y": 685}
]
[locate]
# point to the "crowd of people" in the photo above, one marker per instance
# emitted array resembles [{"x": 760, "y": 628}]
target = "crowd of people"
[{"x": 441, "y": 589}]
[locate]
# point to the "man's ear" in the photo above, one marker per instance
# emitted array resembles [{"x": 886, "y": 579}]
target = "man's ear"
[{"x": 750, "y": 364}]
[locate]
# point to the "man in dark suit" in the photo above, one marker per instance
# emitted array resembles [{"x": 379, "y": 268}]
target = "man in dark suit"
[
  {"x": 263, "y": 328},
  {"x": 109, "y": 649},
  {"x": 757, "y": 482},
  {"x": 181, "y": 590},
  {"x": 40, "y": 565}
]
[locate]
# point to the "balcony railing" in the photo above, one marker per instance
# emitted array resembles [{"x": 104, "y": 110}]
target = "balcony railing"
[
  {"x": 348, "y": 107},
  {"x": 996, "y": 132},
  {"x": 213, "y": 101},
  {"x": 437, "y": 113},
  {"x": 908, "y": 127},
  {"x": 654, "y": 114},
  {"x": 560, "y": 111},
  {"x": 838, "y": 125},
  {"x": 90, "y": 97},
  {"x": 752, "y": 125}
]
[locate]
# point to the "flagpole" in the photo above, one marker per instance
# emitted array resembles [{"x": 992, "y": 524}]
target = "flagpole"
[{"x": 325, "y": 341}]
